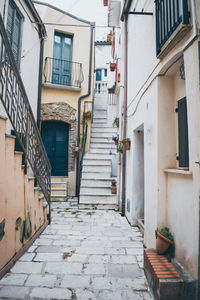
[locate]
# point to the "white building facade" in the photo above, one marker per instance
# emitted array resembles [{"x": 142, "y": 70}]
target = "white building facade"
[{"x": 160, "y": 107}]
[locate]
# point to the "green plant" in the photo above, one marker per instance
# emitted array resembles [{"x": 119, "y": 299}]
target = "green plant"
[
  {"x": 167, "y": 234},
  {"x": 116, "y": 122},
  {"x": 126, "y": 140},
  {"x": 120, "y": 147}
]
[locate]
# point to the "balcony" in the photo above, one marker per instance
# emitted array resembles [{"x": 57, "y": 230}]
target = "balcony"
[
  {"x": 172, "y": 16},
  {"x": 63, "y": 73}
]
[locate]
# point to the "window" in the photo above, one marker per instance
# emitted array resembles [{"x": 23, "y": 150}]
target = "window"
[
  {"x": 183, "y": 156},
  {"x": 98, "y": 75},
  {"x": 105, "y": 72},
  {"x": 14, "y": 29},
  {"x": 169, "y": 15}
]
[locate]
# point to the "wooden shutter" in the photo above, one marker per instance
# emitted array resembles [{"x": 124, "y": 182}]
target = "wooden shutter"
[{"x": 183, "y": 134}]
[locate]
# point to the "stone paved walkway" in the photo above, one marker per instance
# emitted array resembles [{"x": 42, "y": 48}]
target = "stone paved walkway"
[{"x": 81, "y": 255}]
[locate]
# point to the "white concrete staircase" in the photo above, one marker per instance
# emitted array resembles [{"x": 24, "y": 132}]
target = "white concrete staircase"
[{"x": 95, "y": 189}]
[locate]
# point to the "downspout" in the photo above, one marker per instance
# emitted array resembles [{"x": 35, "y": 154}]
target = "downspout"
[
  {"x": 124, "y": 117},
  {"x": 79, "y": 105},
  {"x": 40, "y": 81}
]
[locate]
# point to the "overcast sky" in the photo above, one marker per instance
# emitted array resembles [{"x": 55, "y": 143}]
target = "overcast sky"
[{"x": 90, "y": 10}]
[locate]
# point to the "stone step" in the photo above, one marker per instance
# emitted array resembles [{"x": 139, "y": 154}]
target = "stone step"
[
  {"x": 90, "y": 182},
  {"x": 107, "y": 135},
  {"x": 100, "y": 111},
  {"x": 98, "y": 206},
  {"x": 85, "y": 189},
  {"x": 103, "y": 129},
  {"x": 59, "y": 184},
  {"x": 101, "y": 125},
  {"x": 97, "y": 168},
  {"x": 100, "y": 156},
  {"x": 59, "y": 179},
  {"x": 100, "y": 121},
  {"x": 96, "y": 162},
  {"x": 101, "y": 140},
  {"x": 59, "y": 198},
  {"x": 108, "y": 145},
  {"x": 110, "y": 151},
  {"x": 105, "y": 199},
  {"x": 95, "y": 175},
  {"x": 58, "y": 191}
]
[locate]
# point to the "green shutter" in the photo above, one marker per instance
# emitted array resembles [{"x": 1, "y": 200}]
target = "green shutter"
[{"x": 183, "y": 134}]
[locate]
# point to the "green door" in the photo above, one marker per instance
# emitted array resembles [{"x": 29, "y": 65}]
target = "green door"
[
  {"x": 55, "y": 136},
  {"x": 62, "y": 59}
]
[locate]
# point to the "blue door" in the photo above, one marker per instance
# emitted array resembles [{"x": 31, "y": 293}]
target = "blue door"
[
  {"x": 62, "y": 59},
  {"x": 55, "y": 136}
]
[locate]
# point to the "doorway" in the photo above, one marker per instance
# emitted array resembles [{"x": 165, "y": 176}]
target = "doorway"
[
  {"x": 138, "y": 176},
  {"x": 55, "y": 136}
]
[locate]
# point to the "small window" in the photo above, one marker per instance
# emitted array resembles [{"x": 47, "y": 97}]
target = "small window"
[
  {"x": 105, "y": 72},
  {"x": 98, "y": 75},
  {"x": 14, "y": 28},
  {"x": 183, "y": 156}
]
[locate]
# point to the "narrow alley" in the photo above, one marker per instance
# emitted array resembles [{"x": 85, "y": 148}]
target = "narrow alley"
[{"x": 81, "y": 255}]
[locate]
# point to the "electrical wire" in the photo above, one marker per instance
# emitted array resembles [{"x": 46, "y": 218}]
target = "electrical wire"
[{"x": 156, "y": 76}]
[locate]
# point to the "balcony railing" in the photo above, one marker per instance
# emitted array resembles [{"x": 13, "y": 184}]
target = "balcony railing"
[
  {"x": 15, "y": 101},
  {"x": 169, "y": 15},
  {"x": 63, "y": 72}
]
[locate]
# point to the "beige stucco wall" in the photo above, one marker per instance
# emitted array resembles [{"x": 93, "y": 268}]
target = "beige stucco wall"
[
  {"x": 81, "y": 33},
  {"x": 154, "y": 87}
]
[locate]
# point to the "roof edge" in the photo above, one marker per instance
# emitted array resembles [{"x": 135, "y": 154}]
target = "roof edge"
[{"x": 62, "y": 11}]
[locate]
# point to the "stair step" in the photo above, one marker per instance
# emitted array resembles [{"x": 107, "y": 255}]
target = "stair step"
[
  {"x": 58, "y": 197},
  {"x": 109, "y": 145},
  {"x": 98, "y": 199},
  {"x": 90, "y": 182},
  {"x": 59, "y": 179},
  {"x": 103, "y": 129},
  {"x": 105, "y": 135},
  {"x": 95, "y": 190},
  {"x": 102, "y": 150},
  {"x": 96, "y": 162},
  {"x": 100, "y": 121},
  {"x": 95, "y": 175},
  {"x": 99, "y": 156},
  {"x": 98, "y": 169},
  {"x": 98, "y": 206}
]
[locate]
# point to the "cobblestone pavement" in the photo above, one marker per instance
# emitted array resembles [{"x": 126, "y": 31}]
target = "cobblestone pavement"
[{"x": 81, "y": 255}]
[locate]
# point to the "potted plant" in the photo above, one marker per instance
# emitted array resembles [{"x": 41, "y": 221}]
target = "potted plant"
[
  {"x": 109, "y": 37},
  {"x": 111, "y": 90},
  {"x": 120, "y": 148},
  {"x": 127, "y": 143},
  {"x": 113, "y": 187},
  {"x": 116, "y": 122},
  {"x": 115, "y": 138},
  {"x": 87, "y": 114},
  {"x": 112, "y": 67},
  {"x": 165, "y": 242}
]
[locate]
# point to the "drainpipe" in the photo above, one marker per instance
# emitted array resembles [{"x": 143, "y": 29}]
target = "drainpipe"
[
  {"x": 40, "y": 82},
  {"x": 79, "y": 105},
  {"x": 124, "y": 118}
]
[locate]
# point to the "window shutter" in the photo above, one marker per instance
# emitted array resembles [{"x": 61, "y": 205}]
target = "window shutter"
[
  {"x": 183, "y": 134},
  {"x": 10, "y": 19}
]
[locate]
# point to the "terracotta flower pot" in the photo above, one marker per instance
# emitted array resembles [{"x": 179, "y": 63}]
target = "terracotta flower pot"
[
  {"x": 112, "y": 67},
  {"x": 87, "y": 115},
  {"x": 116, "y": 142},
  {"x": 114, "y": 189},
  {"x": 162, "y": 244},
  {"x": 111, "y": 91},
  {"x": 126, "y": 144}
]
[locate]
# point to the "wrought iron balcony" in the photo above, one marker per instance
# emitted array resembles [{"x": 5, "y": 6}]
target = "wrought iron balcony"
[
  {"x": 169, "y": 15},
  {"x": 63, "y": 72},
  {"x": 15, "y": 101}
]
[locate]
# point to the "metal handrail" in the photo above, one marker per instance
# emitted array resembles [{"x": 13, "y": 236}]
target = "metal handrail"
[
  {"x": 63, "y": 72},
  {"x": 19, "y": 112}
]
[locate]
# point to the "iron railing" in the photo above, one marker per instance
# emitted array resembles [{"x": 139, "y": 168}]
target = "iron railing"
[
  {"x": 18, "y": 109},
  {"x": 63, "y": 72},
  {"x": 169, "y": 15}
]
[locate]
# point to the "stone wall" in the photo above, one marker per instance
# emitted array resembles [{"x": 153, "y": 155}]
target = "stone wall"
[{"x": 62, "y": 112}]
